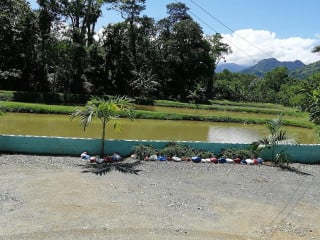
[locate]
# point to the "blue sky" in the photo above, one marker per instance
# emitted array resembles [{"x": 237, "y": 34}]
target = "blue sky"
[{"x": 255, "y": 29}]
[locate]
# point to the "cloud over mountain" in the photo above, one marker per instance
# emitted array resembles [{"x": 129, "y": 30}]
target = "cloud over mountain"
[{"x": 250, "y": 46}]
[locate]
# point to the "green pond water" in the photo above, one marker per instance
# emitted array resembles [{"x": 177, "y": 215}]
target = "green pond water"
[{"x": 62, "y": 125}]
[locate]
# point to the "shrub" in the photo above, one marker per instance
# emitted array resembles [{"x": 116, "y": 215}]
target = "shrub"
[
  {"x": 172, "y": 149},
  {"x": 144, "y": 151},
  {"x": 43, "y": 97},
  {"x": 238, "y": 153}
]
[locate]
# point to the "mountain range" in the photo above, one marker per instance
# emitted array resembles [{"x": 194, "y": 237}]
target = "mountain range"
[{"x": 297, "y": 69}]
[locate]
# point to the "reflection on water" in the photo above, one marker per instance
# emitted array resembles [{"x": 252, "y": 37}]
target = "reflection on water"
[
  {"x": 61, "y": 125},
  {"x": 234, "y": 134}
]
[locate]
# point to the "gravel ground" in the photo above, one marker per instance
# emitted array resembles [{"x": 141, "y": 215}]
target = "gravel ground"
[{"x": 45, "y": 197}]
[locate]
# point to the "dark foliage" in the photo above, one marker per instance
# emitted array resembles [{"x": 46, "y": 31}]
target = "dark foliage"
[
  {"x": 238, "y": 153},
  {"x": 304, "y": 72},
  {"x": 170, "y": 150}
]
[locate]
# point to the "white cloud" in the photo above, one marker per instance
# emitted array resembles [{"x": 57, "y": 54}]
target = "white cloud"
[
  {"x": 98, "y": 36},
  {"x": 249, "y": 46}
]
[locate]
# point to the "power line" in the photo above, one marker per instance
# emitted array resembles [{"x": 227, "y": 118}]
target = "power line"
[
  {"x": 201, "y": 20},
  {"x": 209, "y": 26},
  {"x": 230, "y": 29}
]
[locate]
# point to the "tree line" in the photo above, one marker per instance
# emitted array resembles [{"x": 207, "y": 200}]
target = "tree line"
[{"x": 57, "y": 48}]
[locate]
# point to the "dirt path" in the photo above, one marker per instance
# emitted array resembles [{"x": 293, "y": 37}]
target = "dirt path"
[{"x": 55, "y": 200}]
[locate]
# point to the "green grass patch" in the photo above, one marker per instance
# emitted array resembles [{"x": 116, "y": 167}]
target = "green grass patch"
[
  {"x": 274, "y": 109},
  {"x": 35, "y": 108},
  {"x": 247, "y": 104}
]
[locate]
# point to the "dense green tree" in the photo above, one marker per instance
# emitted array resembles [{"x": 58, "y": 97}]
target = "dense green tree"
[
  {"x": 267, "y": 89},
  {"x": 130, "y": 59},
  {"x": 118, "y": 67},
  {"x": 218, "y": 49},
  {"x": 190, "y": 57},
  {"x": 310, "y": 97},
  {"x": 81, "y": 17},
  {"x": 184, "y": 60},
  {"x": 177, "y": 12},
  {"x": 95, "y": 70},
  {"x": 145, "y": 84},
  {"x": 314, "y": 108},
  {"x": 276, "y": 77},
  {"x": 144, "y": 70},
  {"x": 290, "y": 93},
  {"x": 146, "y": 35},
  {"x": 130, "y": 10},
  {"x": 234, "y": 86},
  {"x": 59, "y": 75},
  {"x": 18, "y": 37},
  {"x": 314, "y": 98},
  {"x": 46, "y": 39}
]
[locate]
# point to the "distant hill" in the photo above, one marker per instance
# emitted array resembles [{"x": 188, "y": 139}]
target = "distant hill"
[
  {"x": 266, "y": 65},
  {"x": 232, "y": 67},
  {"x": 305, "y": 71},
  {"x": 297, "y": 69}
]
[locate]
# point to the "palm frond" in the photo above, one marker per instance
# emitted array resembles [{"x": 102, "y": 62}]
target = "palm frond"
[
  {"x": 264, "y": 141},
  {"x": 84, "y": 115},
  {"x": 281, "y": 136},
  {"x": 105, "y": 110}
]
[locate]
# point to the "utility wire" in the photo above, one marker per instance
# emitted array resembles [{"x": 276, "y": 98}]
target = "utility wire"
[
  {"x": 202, "y": 21},
  {"x": 227, "y": 27},
  {"x": 209, "y": 26}
]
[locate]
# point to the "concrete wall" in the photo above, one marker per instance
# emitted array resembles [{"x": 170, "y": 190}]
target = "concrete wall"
[
  {"x": 75, "y": 146},
  {"x": 302, "y": 153}
]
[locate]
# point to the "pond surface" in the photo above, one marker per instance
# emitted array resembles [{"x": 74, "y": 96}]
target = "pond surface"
[{"x": 62, "y": 125}]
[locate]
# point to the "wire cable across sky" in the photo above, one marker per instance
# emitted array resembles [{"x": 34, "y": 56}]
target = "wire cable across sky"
[
  {"x": 209, "y": 26},
  {"x": 227, "y": 27}
]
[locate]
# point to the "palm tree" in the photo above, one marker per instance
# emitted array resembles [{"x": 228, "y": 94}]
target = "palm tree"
[
  {"x": 276, "y": 137},
  {"x": 105, "y": 110}
]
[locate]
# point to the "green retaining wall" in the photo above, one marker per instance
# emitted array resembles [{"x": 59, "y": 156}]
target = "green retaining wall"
[
  {"x": 75, "y": 146},
  {"x": 301, "y": 153}
]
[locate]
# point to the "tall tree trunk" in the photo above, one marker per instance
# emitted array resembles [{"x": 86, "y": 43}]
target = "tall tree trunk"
[
  {"x": 132, "y": 42},
  {"x": 103, "y": 137}
]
